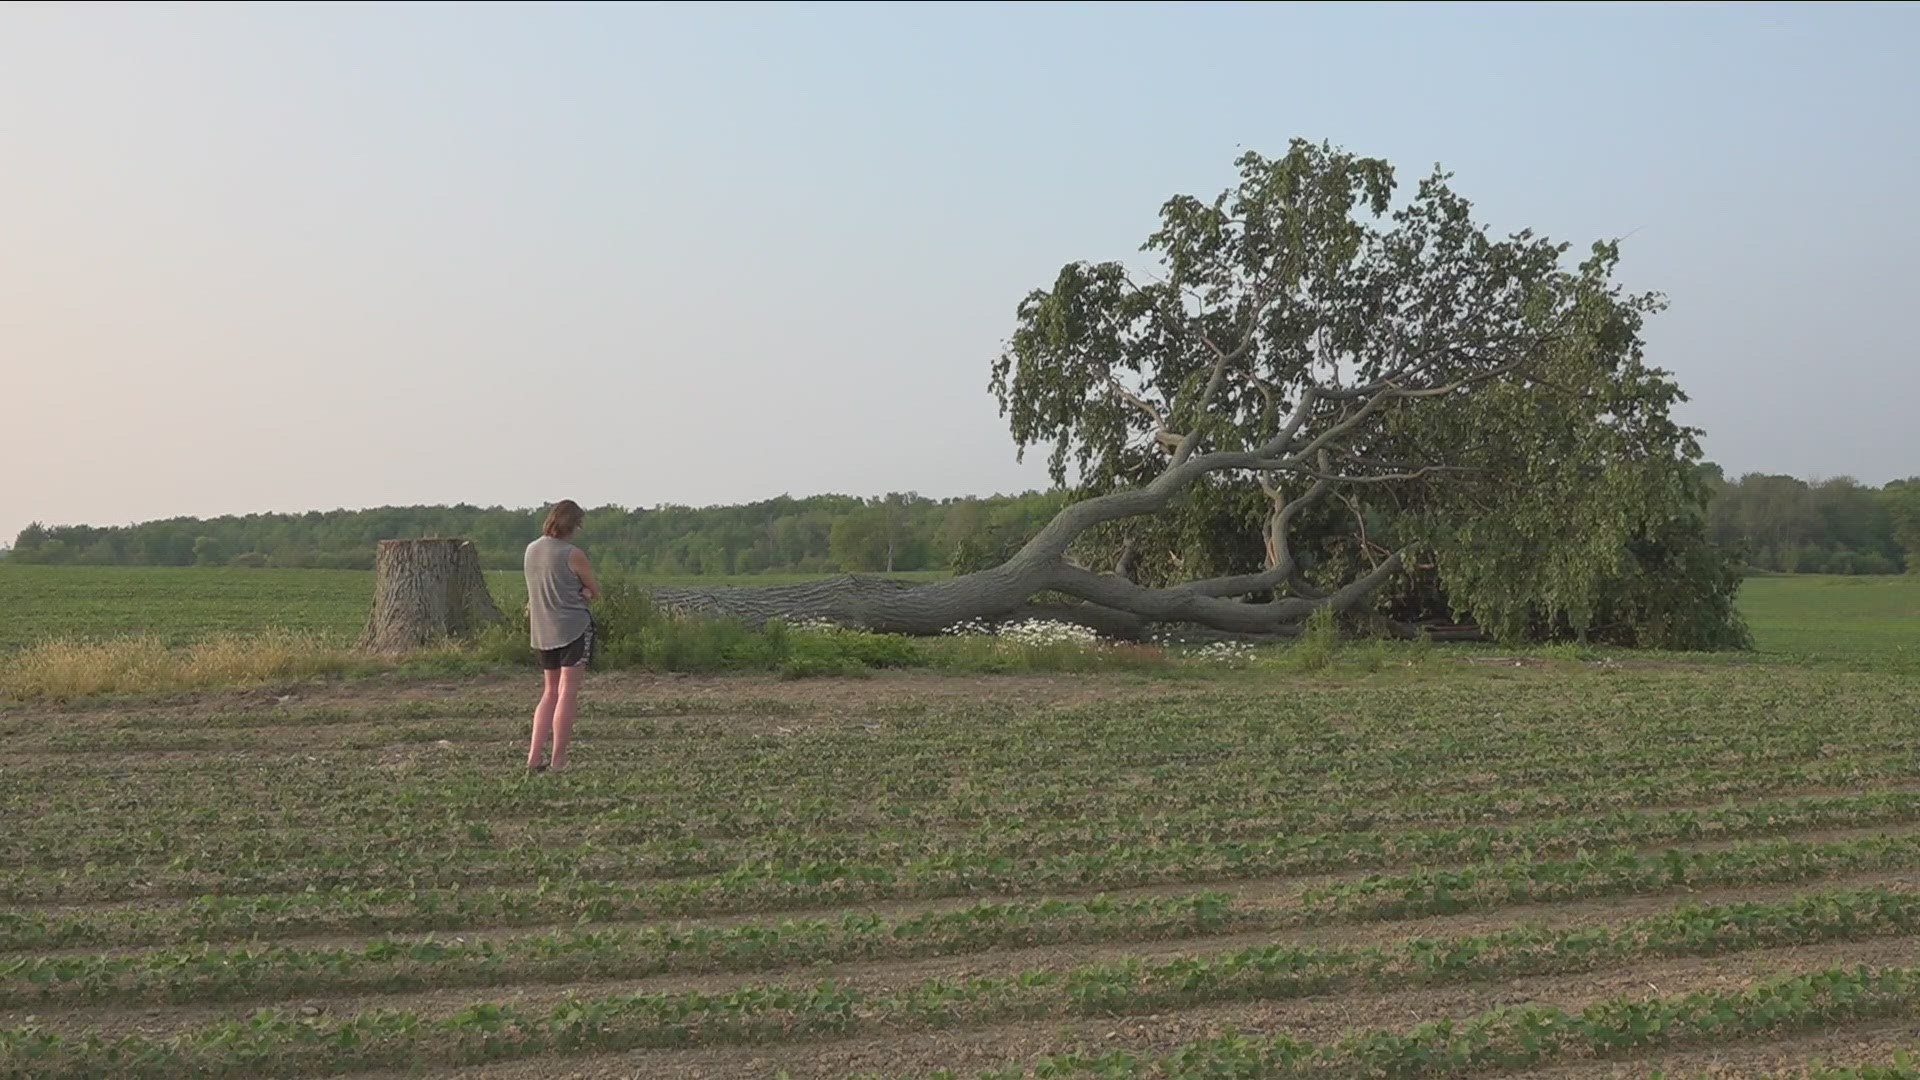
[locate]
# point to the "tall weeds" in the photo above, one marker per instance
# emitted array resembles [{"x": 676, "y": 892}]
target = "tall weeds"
[{"x": 145, "y": 663}]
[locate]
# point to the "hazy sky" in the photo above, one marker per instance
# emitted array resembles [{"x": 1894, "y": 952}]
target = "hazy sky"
[{"x": 283, "y": 258}]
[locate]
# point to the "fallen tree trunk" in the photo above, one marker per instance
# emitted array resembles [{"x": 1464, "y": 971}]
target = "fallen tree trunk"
[
  {"x": 1042, "y": 566},
  {"x": 426, "y": 592},
  {"x": 887, "y": 605},
  {"x": 890, "y": 606},
  {"x": 1109, "y": 602},
  {"x": 881, "y": 604}
]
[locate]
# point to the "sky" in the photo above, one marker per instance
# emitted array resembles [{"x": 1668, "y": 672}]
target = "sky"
[{"x": 287, "y": 257}]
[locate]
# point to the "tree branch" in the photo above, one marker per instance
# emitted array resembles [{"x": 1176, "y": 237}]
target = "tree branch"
[
  {"x": 1283, "y": 568},
  {"x": 1161, "y": 435},
  {"x": 1287, "y": 466},
  {"x": 1217, "y": 376},
  {"x": 1182, "y": 605}
]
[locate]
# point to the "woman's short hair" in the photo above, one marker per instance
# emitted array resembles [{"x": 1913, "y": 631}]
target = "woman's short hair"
[{"x": 563, "y": 519}]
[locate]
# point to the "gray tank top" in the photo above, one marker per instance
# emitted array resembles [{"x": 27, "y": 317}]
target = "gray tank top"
[{"x": 556, "y": 612}]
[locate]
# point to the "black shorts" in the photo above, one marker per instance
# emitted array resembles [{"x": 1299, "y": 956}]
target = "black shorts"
[{"x": 576, "y": 653}]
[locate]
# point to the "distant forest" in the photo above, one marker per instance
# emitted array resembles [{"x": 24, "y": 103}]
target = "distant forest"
[
  {"x": 1780, "y": 523},
  {"x": 817, "y": 534},
  {"x": 1837, "y": 526}
]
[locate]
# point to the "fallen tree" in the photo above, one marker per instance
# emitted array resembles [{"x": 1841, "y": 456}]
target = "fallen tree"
[{"x": 1301, "y": 346}]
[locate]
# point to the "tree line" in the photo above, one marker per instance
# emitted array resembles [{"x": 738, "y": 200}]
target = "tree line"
[
  {"x": 1776, "y": 523},
  {"x": 1837, "y": 526},
  {"x": 899, "y": 532}
]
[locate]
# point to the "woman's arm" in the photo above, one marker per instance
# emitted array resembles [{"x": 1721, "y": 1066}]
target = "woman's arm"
[{"x": 589, "y": 585}]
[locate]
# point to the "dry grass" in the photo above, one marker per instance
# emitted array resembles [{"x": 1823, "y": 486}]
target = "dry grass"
[{"x": 144, "y": 663}]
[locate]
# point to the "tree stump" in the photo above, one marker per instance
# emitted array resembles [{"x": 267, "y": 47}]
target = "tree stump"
[{"x": 426, "y": 592}]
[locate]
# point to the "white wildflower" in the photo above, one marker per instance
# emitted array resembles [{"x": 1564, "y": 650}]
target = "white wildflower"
[
  {"x": 1049, "y": 632},
  {"x": 1224, "y": 652}
]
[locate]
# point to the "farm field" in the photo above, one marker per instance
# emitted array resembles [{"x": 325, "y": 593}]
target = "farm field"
[
  {"x": 1807, "y": 618},
  {"x": 1820, "y": 617},
  {"x": 1468, "y": 862},
  {"x": 1465, "y": 860}
]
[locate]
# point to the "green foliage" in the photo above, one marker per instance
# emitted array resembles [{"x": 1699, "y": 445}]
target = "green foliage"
[
  {"x": 1526, "y": 1035},
  {"x": 1902, "y": 501},
  {"x": 859, "y": 647},
  {"x": 1508, "y": 1036},
  {"x": 882, "y": 537},
  {"x": 982, "y": 550},
  {"x": 1678, "y": 593},
  {"x": 1837, "y": 526},
  {"x": 630, "y": 631},
  {"x": 206, "y": 551},
  {"x": 1212, "y": 528},
  {"x": 1540, "y": 478},
  {"x": 1318, "y": 643}
]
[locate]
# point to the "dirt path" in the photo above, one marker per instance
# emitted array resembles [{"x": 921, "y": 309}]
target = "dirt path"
[{"x": 885, "y": 691}]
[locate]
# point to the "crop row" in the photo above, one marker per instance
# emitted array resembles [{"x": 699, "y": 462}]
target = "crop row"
[
  {"x": 203, "y": 973},
  {"x": 1531, "y": 1035},
  {"x": 1690, "y": 702},
  {"x": 197, "y": 973},
  {"x": 1354, "y": 733},
  {"x": 1063, "y": 853},
  {"x": 610, "y": 806},
  {"x": 1218, "y": 733},
  {"x": 667, "y": 710},
  {"x": 880, "y": 779},
  {"x": 478, "y": 807},
  {"x": 756, "y": 1013},
  {"x": 1904, "y": 1066},
  {"x": 555, "y": 902},
  {"x": 743, "y": 763}
]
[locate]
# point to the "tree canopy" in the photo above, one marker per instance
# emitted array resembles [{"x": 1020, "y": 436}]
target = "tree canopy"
[
  {"x": 1310, "y": 340},
  {"x": 1834, "y": 526}
]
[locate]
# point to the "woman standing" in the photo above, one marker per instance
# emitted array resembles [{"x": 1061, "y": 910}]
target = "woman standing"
[{"x": 559, "y": 585}]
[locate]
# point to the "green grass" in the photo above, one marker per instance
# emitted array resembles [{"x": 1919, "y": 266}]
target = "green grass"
[
  {"x": 1823, "y": 618},
  {"x": 177, "y": 605}
]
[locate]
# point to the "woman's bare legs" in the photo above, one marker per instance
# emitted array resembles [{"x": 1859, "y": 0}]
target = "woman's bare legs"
[
  {"x": 543, "y": 717},
  {"x": 563, "y": 713}
]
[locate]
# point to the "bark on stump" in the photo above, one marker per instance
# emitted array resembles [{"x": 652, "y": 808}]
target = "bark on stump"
[{"x": 425, "y": 592}]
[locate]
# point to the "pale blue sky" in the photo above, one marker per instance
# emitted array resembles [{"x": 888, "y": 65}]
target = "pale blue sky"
[{"x": 281, "y": 258}]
